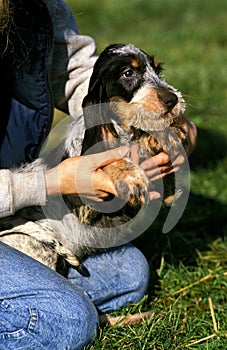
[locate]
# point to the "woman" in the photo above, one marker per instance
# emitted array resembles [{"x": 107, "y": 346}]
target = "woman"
[{"x": 44, "y": 63}]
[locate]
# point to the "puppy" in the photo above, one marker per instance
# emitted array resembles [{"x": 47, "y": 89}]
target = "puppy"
[{"x": 128, "y": 102}]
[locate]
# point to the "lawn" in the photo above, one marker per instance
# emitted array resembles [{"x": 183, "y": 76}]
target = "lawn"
[{"x": 188, "y": 289}]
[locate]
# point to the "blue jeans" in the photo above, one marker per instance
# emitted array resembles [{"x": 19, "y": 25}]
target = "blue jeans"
[{"x": 39, "y": 309}]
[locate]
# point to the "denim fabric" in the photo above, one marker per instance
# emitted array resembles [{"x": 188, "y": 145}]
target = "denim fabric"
[
  {"x": 117, "y": 277},
  {"x": 39, "y": 309}
]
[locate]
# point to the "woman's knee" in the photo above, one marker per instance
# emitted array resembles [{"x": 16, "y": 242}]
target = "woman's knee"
[
  {"x": 74, "y": 328},
  {"x": 71, "y": 320},
  {"x": 136, "y": 271},
  {"x": 129, "y": 279},
  {"x": 117, "y": 277}
]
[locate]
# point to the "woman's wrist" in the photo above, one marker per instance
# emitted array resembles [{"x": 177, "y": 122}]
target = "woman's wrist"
[{"x": 52, "y": 183}]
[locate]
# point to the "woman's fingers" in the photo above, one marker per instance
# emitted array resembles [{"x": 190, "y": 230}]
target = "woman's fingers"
[
  {"x": 160, "y": 165},
  {"x": 158, "y": 160},
  {"x": 134, "y": 154},
  {"x": 154, "y": 195}
]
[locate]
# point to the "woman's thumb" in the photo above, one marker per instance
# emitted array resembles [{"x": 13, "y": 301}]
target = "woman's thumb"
[{"x": 110, "y": 156}]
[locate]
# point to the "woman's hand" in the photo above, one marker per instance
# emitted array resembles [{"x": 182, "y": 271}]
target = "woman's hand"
[
  {"x": 155, "y": 167},
  {"x": 83, "y": 175},
  {"x": 160, "y": 165}
]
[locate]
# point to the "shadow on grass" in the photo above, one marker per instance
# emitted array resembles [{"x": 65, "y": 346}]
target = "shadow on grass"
[
  {"x": 203, "y": 221},
  {"x": 210, "y": 149}
]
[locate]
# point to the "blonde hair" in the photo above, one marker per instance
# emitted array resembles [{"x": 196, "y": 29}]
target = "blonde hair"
[
  {"x": 4, "y": 14},
  {"x": 5, "y": 24}
]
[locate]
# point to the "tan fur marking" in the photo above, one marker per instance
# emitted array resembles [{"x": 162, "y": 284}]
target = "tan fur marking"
[
  {"x": 106, "y": 133},
  {"x": 108, "y": 136},
  {"x": 156, "y": 63},
  {"x": 135, "y": 63}
]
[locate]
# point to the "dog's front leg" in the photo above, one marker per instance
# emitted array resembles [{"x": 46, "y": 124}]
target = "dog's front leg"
[{"x": 130, "y": 181}]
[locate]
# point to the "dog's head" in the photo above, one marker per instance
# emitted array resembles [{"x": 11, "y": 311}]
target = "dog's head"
[{"x": 127, "y": 82}]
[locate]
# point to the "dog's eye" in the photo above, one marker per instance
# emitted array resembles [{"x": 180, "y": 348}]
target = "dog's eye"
[{"x": 128, "y": 73}]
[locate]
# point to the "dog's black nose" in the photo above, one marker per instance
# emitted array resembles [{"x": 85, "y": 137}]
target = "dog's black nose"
[{"x": 168, "y": 98}]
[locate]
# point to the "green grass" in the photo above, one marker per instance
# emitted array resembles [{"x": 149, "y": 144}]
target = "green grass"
[{"x": 190, "y": 37}]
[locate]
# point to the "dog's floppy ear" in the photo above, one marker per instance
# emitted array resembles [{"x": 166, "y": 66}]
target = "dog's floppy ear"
[
  {"x": 98, "y": 127},
  {"x": 97, "y": 118},
  {"x": 96, "y": 109},
  {"x": 92, "y": 117},
  {"x": 95, "y": 94},
  {"x": 97, "y": 85}
]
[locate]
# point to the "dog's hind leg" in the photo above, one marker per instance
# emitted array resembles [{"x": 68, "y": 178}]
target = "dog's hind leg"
[{"x": 42, "y": 235}]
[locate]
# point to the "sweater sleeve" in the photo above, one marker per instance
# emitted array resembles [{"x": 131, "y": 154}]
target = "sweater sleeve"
[
  {"x": 74, "y": 57},
  {"x": 18, "y": 190}
]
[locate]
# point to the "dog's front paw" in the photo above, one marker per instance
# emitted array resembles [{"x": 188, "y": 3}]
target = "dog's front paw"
[{"x": 130, "y": 182}]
